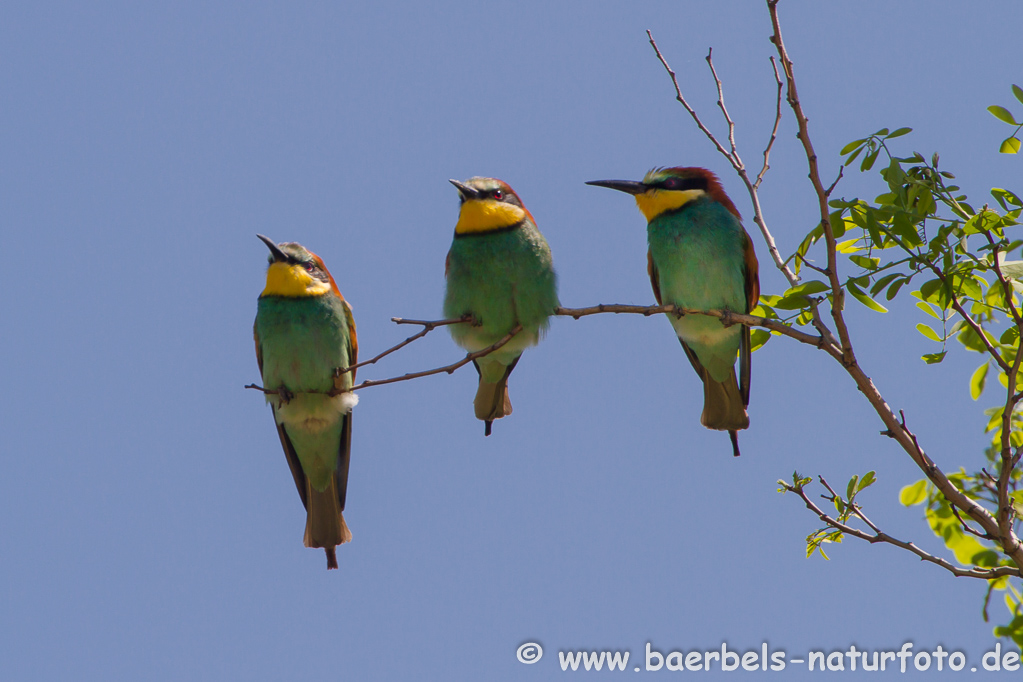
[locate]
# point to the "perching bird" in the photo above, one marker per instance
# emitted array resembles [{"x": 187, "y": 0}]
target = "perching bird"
[
  {"x": 499, "y": 271},
  {"x": 701, "y": 257},
  {"x": 304, "y": 334}
]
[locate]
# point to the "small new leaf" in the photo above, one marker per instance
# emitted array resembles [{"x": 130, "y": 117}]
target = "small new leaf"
[{"x": 1010, "y": 145}]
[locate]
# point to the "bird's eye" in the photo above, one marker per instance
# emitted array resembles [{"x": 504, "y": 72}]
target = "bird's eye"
[
  {"x": 671, "y": 183},
  {"x": 498, "y": 194},
  {"x": 308, "y": 266}
]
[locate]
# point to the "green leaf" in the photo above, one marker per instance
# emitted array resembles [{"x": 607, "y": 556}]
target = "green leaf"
[
  {"x": 868, "y": 480},
  {"x": 899, "y": 132},
  {"x": 1002, "y": 114},
  {"x": 866, "y": 300},
  {"x": 926, "y": 307},
  {"x": 848, "y": 162},
  {"x": 882, "y": 283},
  {"x": 1012, "y": 268},
  {"x": 893, "y": 290},
  {"x": 933, "y": 358},
  {"x": 868, "y": 160},
  {"x": 851, "y": 146},
  {"x": 978, "y": 380},
  {"x": 1010, "y": 145},
  {"x": 928, "y": 332},
  {"x": 914, "y": 494},
  {"x": 851, "y": 488},
  {"x": 848, "y": 246},
  {"x": 866, "y": 263},
  {"x": 758, "y": 337},
  {"x": 1018, "y": 91},
  {"x": 812, "y": 286}
]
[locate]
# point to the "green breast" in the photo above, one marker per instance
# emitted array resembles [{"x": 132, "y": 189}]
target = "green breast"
[
  {"x": 303, "y": 341},
  {"x": 502, "y": 278},
  {"x": 698, "y": 252}
]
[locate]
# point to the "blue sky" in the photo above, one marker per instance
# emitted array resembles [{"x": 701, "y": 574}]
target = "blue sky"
[{"x": 151, "y": 529}]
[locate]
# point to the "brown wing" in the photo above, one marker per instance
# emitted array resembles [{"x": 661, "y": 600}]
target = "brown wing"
[
  {"x": 752, "y": 273},
  {"x": 289, "y": 449},
  {"x": 293, "y": 463},
  {"x": 344, "y": 454},
  {"x": 752, "y": 281},
  {"x": 344, "y": 457},
  {"x": 651, "y": 270}
]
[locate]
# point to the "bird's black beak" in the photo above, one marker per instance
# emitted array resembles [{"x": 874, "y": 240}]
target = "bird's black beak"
[
  {"x": 627, "y": 186},
  {"x": 466, "y": 191},
  {"x": 279, "y": 256}
]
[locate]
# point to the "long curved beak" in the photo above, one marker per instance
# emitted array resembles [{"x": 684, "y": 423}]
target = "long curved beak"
[
  {"x": 466, "y": 191},
  {"x": 279, "y": 256},
  {"x": 627, "y": 186}
]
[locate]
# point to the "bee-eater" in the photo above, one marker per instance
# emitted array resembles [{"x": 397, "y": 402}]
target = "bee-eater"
[
  {"x": 304, "y": 334},
  {"x": 701, "y": 257},
  {"x": 498, "y": 270}
]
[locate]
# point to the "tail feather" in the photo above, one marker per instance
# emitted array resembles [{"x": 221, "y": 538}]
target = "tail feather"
[
  {"x": 325, "y": 525},
  {"x": 723, "y": 406},
  {"x": 492, "y": 400}
]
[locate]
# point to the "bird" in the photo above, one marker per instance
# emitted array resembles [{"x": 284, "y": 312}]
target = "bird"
[
  {"x": 499, "y": 270},
  {"x": 701, "y": 257},
  {"x": 305, "y": 335}
]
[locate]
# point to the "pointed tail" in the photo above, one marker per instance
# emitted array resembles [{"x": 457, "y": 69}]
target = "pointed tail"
[{"x": 325, "y": 525}]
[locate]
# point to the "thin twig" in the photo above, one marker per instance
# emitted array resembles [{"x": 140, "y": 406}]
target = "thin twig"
[
  {"x": 838, "y": 294},
  {"x": 427, "y": 328},
  {"x": 447, "y": 369},
  {"x": 736, "y": 163},
  {"x": 721, "y": 104},
  {"x": 774, "y": 130},
  {"x": 967, "y": 526},
  {"x": 841, "y": 169},
  {"x": 727, "y": 318},
  {"x": 878, "y": 536}
]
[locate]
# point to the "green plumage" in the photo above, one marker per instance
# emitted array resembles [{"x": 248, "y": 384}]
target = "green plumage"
[
  {"x": 304, "y": 334},
  {"x": 303, "y": 341},
  {"x": 503, "y": 277},
  {"x": 701, "y": 258},
  {"x": 698, "y": 254}
]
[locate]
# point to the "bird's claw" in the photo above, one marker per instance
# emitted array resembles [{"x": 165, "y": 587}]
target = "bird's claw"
[{"x": 285, "y": 395}]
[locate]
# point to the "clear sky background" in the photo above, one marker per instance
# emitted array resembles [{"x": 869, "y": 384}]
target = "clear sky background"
[{"x": 150, "y": 527}]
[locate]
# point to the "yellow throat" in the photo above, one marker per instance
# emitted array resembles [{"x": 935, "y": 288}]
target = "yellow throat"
[
  {"x": 657, "y": 201},
  {"x": 289, "y": 279},
  {"x": 486, "y": 215}
]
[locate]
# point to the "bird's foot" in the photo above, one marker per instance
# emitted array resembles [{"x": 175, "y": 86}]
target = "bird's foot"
[{"x": 285, "y": 395}]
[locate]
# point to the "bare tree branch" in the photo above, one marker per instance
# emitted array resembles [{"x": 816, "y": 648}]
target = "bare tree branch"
[
  {"x": 427, "y": 328},
  {"x": 734, "y": 160},
  {"x": 446, "y": 369},
  {"x": 727, "y": 318},
  {"x": 774, "y": 130},
  {"x": 838, "y": 294}
]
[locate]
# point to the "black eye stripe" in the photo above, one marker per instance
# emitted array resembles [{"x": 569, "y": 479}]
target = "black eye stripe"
[{"x": 682, "y": 184}]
